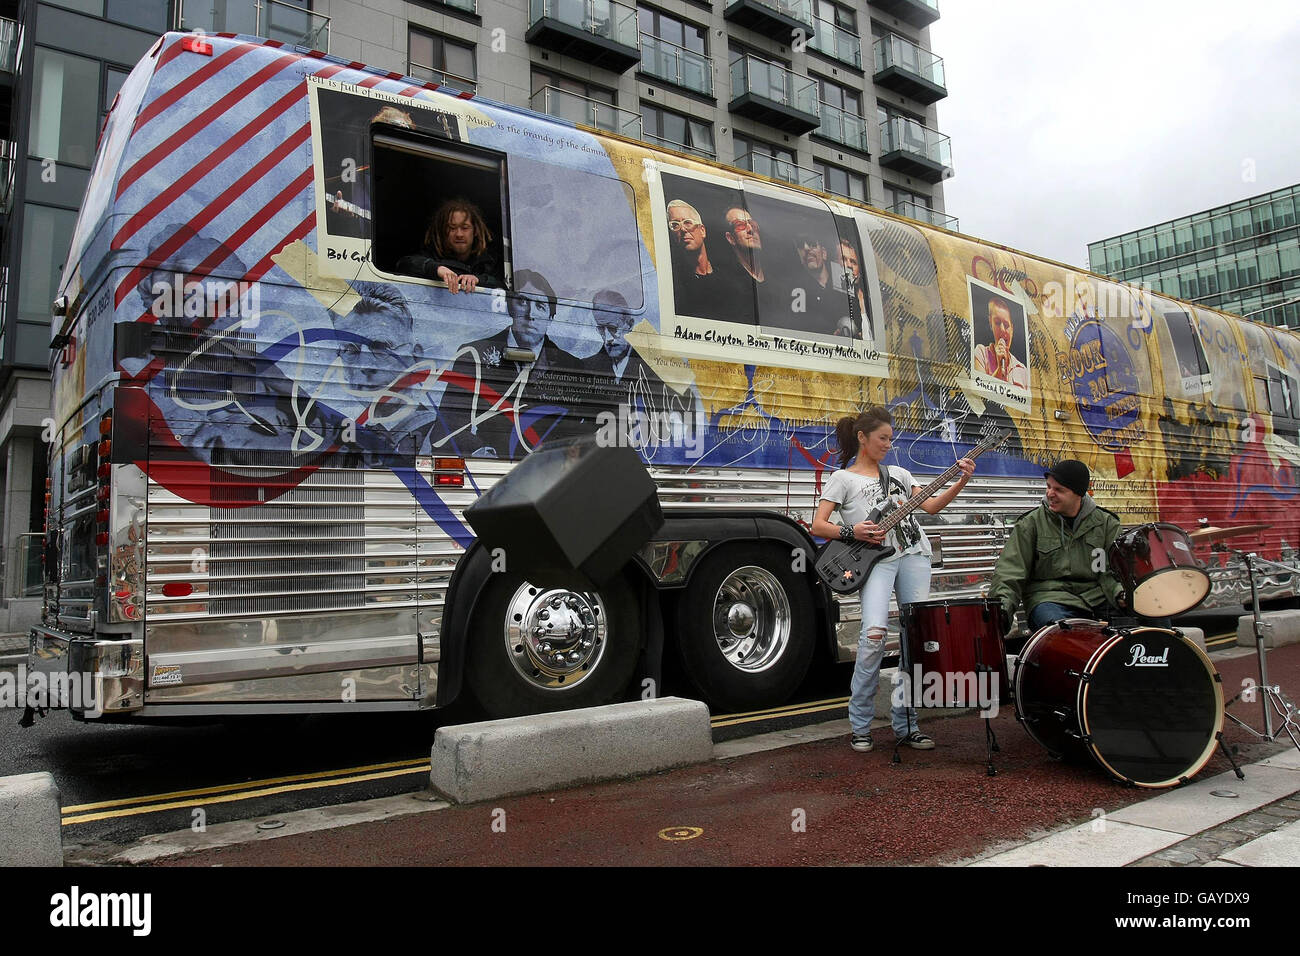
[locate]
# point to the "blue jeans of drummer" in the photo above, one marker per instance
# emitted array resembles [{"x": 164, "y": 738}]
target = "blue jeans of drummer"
[{"x": 910, "y": 576}]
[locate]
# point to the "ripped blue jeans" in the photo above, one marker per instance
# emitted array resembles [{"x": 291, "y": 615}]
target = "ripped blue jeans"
[{"x": 910, "y": 575}]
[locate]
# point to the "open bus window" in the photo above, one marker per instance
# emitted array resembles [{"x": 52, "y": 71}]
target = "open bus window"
[{"x": 427, "y": 192}]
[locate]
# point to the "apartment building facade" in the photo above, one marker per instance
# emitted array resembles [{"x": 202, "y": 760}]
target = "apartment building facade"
[
  {"x": 1243, "y": 257},
  {"x": 835, "y": 95}
]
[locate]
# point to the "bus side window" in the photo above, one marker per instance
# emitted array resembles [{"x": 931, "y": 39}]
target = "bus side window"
[{"x": 439, "y": 204}]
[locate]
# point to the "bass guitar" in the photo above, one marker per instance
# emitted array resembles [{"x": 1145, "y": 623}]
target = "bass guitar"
[{"x": 845, "y": 566}]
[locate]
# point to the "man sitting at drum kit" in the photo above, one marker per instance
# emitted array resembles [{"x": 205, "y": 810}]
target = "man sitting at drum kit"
[{"x": 1050, "y": 561}]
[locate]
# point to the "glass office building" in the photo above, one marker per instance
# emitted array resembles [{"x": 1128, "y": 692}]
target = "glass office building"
[{"x": 1242, "y": 258}]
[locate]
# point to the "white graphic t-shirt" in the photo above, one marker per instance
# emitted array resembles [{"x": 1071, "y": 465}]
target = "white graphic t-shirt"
[{"x": 856, "y": 495}]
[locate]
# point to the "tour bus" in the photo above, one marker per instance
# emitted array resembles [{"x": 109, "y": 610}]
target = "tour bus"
[{"x": 267, "y": 424}]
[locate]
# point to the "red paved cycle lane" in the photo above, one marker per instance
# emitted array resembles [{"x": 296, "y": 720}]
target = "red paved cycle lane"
[{"x": 809, "y": 804}]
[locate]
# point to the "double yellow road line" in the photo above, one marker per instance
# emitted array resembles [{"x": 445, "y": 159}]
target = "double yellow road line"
[{"x": 254, "y": 789}]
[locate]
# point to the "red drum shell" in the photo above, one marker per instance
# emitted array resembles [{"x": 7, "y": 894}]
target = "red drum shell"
[
  {"x": 1145, "y": 703},
  {"x": 957, "y": 639},
  {"x": 1155, "y": 564}
]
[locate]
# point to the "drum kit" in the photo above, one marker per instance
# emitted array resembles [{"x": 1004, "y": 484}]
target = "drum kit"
[{"x": 1143, "y": 702}]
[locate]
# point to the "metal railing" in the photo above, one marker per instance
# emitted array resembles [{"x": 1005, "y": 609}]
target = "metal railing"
[
  {"x": 581, "y": 109},
  {"x": 442, "y": 78},
  {"x": 680, "y": 147},
  {"x": 772, "y": 81},
  {"x": 767, "y": 165},
  {"x": 842, "y": 126},
  {"x": 272, "y": 19},
  {"x": 914, "y": 210},
  {"x": 666, "y": 60},
  {"x": 603, "y": 18},
  {"x": 844, "y": 45},
  {"x": 910, "y": 136},
  {"x": 893, "y": 50}
]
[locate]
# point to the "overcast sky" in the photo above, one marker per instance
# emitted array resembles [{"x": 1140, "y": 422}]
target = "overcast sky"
[{"x": 1073, "y": 121}]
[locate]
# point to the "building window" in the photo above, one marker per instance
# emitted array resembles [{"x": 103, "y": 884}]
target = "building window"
[
  {"x": 677, "y": 32},
  {"x": 756, "y": 147},
  {"x": 677, "y": 131},
  {"x": 439, "y": 60},
  {"x": 152, "y": 15},
  {"x": 841, "y": 181},
  {"x": 841, "y": 97},
  {"x": 833, "y": 13},
  {"x": 47, "y": 234},
  {"x": 65, "y": 101},
  {"x": 675, "y": 51},
  {"x": 545, "y": 78},
  {"x": 114, "y": 77}
]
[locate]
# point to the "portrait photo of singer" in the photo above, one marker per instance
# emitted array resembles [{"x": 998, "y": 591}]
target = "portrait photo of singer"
[{"x": 1000, "y": 346}]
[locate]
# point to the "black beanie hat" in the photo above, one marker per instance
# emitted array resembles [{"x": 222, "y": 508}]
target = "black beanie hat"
[{"x": 1071, "y": 473}]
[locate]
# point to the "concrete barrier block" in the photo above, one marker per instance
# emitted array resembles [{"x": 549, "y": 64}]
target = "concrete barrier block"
[
  {"x": 1196, "y": 635},
  {"x": 498, "y": 758},
  {"x": 30, "y": 832},
  {"x": 1279, "y": 627}
]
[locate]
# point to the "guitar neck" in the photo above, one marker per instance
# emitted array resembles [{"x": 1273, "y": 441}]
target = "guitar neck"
[{"x": 907, "y": 507}]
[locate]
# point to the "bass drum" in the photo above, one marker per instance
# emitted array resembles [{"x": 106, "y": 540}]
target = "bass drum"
[{"x": 1145, "y": 703}]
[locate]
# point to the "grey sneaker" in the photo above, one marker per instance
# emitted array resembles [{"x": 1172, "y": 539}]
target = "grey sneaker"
[
  {"x": 862, "y": 743},
  {"x": 919, "y": 741}
]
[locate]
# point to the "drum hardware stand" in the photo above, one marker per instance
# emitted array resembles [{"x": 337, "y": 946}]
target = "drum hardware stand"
[{"x": 1272, "y": 695}]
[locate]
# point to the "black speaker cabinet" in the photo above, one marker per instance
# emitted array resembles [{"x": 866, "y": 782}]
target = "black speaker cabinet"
[{"x": 569, "y": 508}]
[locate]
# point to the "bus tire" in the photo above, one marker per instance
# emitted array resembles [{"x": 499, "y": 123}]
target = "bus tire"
[
  {"x": 534, "y": 649},
  {"x": 746, "y": 627}
]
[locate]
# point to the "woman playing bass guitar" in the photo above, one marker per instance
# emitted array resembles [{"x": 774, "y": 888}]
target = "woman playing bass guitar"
[{"x": 855, "y": 490}]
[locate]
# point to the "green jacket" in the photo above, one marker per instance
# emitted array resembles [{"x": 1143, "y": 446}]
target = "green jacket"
[{"x": 1044, "y": 561}]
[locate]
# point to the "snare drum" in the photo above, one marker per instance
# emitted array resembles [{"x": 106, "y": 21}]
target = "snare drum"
[
  {"x": 959, "y": 641},
  {"x": 1144, "y": 703},
  {"x": 1155, "y": 564}
]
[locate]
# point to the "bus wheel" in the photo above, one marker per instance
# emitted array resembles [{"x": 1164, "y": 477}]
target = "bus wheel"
[
  {"x": 535, "y": 649},
  {"x": 746, "y": 627}
]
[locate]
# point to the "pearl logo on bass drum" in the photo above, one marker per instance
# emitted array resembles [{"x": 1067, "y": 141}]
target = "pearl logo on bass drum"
[{"x": 1140, "y": 658}]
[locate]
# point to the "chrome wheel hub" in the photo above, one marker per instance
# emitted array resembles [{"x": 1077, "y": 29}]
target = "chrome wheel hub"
[
  {"x": 554, "y": 638},
  {"x": 751, "y": 619}
]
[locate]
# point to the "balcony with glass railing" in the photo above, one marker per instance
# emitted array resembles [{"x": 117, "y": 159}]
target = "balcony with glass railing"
[
  {"x": 8, "y": 45},
  {"x": 914, "y": 210},
  {"x": 677, "y": 65},
  {"x": 906, "y": 68},
  {"x": 767, "y": 165},
  {"x": 915, "y": 150},
  {"x": 442, "y": 78},
  {"x": 837, "y": 43},
  {"x": 841, "y": 126},
  {"x": 272, "y": 19},
  {"x": 917, "y": 13},
  {"x": 771, "y": 94},
  {"x": 589, "y": 112},
  {"x": 598, "y": 32},
  {"x": 777, "y": 19}
]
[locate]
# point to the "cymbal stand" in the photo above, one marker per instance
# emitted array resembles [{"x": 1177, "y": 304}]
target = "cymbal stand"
[{"x": 1272, "y": 697}]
